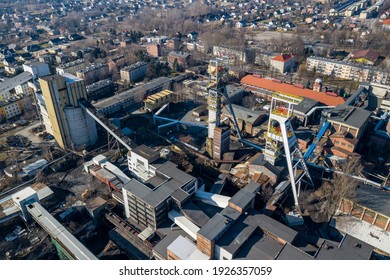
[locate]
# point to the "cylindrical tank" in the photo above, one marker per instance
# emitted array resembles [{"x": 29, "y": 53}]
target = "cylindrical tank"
[{"x": 82, "y": 127}]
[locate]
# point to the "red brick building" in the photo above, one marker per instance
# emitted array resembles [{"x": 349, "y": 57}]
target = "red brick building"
[{"x": 153, "y": 50}]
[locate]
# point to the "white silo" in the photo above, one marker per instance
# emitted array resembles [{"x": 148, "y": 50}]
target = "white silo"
[{"x": 82, "y": 127}]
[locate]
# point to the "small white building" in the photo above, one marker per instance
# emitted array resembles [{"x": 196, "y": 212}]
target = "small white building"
[
  {"x": 139, "y": 161},
  {"x": 37, "y": 69}
]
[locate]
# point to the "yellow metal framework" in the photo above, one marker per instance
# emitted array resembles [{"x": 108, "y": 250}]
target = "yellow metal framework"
[{"x": 295, "y": 99}]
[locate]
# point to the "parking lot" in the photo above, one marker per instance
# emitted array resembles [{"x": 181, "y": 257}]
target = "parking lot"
[{"x": 26, "y": 131}]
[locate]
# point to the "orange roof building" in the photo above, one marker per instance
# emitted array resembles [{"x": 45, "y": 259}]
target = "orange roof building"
[
  {"x": 283, "y": 57},
  {"x": 267, "y": 84},
  {"x": 283, "y": 62}
]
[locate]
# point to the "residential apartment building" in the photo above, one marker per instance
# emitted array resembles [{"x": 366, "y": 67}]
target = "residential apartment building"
[
  {"x": 192, "y": 46},
  {"x": 348, "y": 70},
  {"x": 134, "y": 73},
  {"x": 263, "y": 57},
  {"x": 100, "y": 89},
  {"x": 234, "y": 56},
  {"x": 93, "y": 73},
  {"x": 70, "y": 67},
  {"x": 173, "y": 44},
  {"x": 153, "y": 50},
  {"x": 10, "y": 108},
  {"x": 37, "y": 69},
  {"x": 22, "y": 89},
  {"x": 15, "y": 93},
  {"x": 182, "y": 58},
  {"x": 116, "y": 63},
  {"x": 283, "y": 63},
  {"x": 19, "y": 83}
]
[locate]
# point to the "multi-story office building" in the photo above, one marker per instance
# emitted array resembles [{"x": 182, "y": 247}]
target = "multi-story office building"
[
  {"x": 164, "y": 187},
  {"x": 71, "y": 126}
]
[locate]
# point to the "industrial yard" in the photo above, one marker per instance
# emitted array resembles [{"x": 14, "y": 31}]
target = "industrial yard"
[
  {"x": 178, "y": 174},
  {"x": 195, "y": 130}
]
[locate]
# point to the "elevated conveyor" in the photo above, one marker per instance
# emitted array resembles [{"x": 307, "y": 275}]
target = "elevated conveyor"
[
  {"x": 60, "y": 235},
  {"x": 316, "y": 140},
  {"x": 115, "y": 132}
]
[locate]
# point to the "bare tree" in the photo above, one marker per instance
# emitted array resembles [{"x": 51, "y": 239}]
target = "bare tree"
[{"x": 341, "y": 186}]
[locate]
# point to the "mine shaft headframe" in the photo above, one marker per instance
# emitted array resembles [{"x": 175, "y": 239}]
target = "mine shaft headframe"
[
  {"x": 286, "y": 97},
  {"x": 282, "y": 105},
  {"x": 217, "y": 68}
]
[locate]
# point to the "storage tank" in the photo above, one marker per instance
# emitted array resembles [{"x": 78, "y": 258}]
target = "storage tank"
[{"x": 82, "y": 127}]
